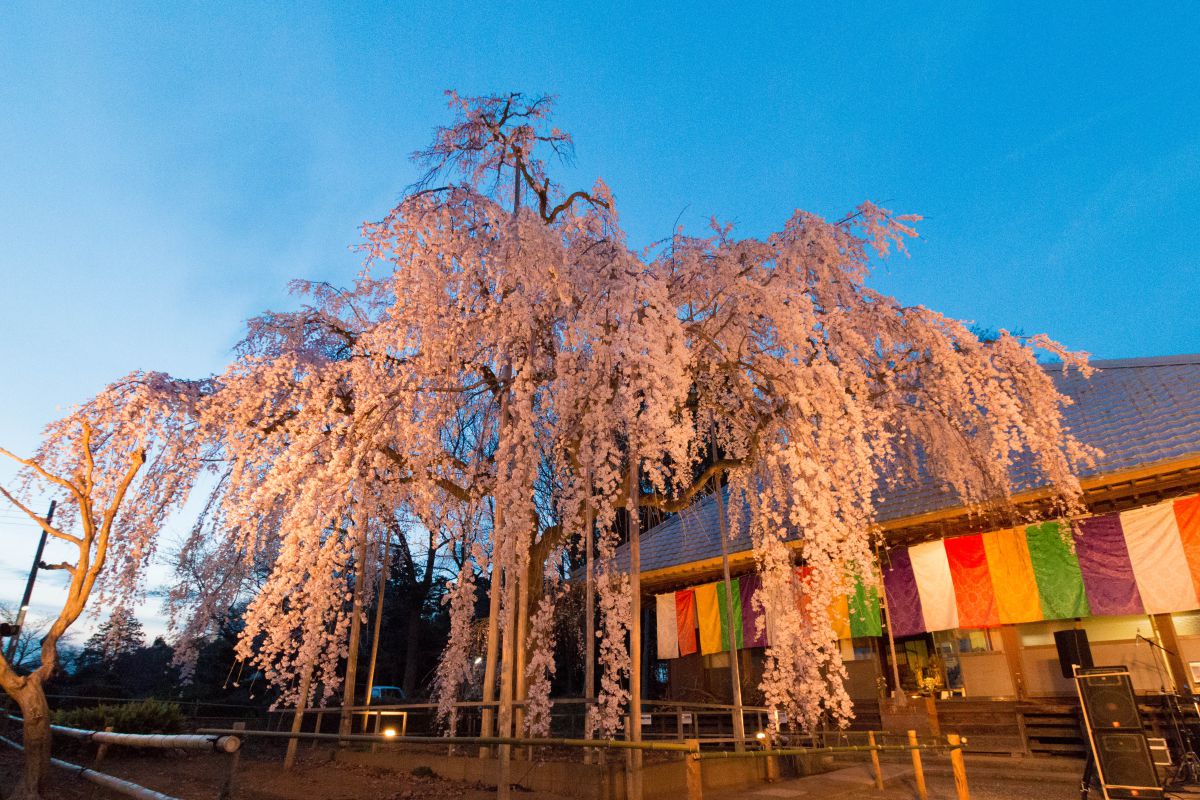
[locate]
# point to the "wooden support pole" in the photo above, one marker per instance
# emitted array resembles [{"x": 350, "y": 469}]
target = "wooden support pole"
[
  {"x": 289, "y": 759},
  {"x": 695, "y": 783},
  {"x": 635, "y": 637},
  {"x": 520, "y": 687},
  {"x": 317, "y": 727},
  {"x": 958, "y": 766},
  {"x": 379, "y": 595},
  {"x": 589, "y": 616},
  {"x": 918, "y": 770},
  {"x": 875, "y": 768},
  {"x": 488, "y": 718},
  {"x": 349, "y": 688},
  {"x": 232, "y": 762}
]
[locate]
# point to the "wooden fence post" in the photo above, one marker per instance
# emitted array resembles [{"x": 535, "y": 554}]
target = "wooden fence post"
[
  {"x": 229, "y": 790},
  {"x": 875, "y": 761},
  {"x": 918, "y": 771},
  {"x": 959, "y": 767},
  {"x": 695, "y": 783},
  {"x": 102, "y": 750}
]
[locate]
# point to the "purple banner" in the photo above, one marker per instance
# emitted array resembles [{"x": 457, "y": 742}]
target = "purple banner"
[
  {"x": 1104, "y": 563},
  {"x": 751, "y": 636},
  {"x": 904, "y": 613}
]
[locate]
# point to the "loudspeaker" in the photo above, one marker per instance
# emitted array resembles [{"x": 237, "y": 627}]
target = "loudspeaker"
[
  {"x": 1126, "y": 765},
  {"x": 1109, "y": 702},
  {"x": 1072, "y": 649}
]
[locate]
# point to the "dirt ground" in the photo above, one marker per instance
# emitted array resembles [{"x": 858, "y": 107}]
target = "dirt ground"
[{"x": 192, "y": 776}]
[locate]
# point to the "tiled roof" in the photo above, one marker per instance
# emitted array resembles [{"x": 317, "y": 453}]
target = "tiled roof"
[{"x": 1139, "y": 412}]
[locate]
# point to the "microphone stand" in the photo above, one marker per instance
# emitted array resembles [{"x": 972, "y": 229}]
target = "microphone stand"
[{"x": 1188, "y": 770}]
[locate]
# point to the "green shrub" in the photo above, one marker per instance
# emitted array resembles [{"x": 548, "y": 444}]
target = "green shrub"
[{"x": 143, "y": 716}]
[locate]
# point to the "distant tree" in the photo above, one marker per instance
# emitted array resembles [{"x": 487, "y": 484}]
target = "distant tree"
[{"x": 120, "y": 636}]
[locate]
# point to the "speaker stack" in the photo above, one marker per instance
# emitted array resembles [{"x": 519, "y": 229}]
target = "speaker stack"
[{"x": 1119, "y": 755}]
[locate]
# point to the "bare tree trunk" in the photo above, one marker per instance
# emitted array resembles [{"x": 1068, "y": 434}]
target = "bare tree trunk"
[
  {"x": 36, "y": 714},
  {"x": 412, "y": 645}
]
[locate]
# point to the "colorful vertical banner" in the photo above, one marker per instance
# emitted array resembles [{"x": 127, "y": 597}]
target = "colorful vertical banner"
[
  {"x": 735, "y": 624},
  {"x": 753, "y": 634},
  {"x": 839, "y": 616},
  {"x": 1013, "y": 580},
  {"x": 1160, "y": 565},
  {"x": 1187, "y": 519},
  {"x": 864, "y": 611},
  {"x": 708, "y": 614},
  {"x": 931, "y": 571},
  {"x": 904, "y": 613},
  {"x": 667, "y": 627},
  {"x": 1056, "y": 569},
  {"x": 1104, "y": 563},
  {"x": 972, "y": 582},
  {"x": 685, "y": 621}
]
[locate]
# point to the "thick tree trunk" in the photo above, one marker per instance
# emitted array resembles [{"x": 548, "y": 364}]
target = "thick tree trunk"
[
  {"x": 411, "y": 648},
  {"x": 36, "y": 713}
]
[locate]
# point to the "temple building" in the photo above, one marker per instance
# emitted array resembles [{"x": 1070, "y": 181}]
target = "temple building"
[{"x": 970, "y": 601}]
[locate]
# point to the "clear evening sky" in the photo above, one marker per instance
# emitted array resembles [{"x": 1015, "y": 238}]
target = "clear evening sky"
[{"x": 164, "y": 171}]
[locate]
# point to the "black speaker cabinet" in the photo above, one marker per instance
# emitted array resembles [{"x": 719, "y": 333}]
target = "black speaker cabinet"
[
  {"x": 1125, "y": 764},
  {"x": 1114, "y": 729},
  {"x": 1073, "y": 650},
  {"x": 1109, "y": 702}
]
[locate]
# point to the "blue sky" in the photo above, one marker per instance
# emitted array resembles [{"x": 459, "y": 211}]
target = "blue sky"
[{"x": 165, "y": 169}]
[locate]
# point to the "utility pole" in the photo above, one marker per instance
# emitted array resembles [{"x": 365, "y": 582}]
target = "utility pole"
[{"x": 33, "y": 571}]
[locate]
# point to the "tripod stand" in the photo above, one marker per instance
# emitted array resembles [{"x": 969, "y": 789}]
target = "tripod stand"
[{"x": 1187, "y": 771}]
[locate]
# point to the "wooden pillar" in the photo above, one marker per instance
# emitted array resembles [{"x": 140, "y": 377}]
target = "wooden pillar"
[
  {"x": 1011, "y": 641},
  {"x": 1164, "y": 624}
]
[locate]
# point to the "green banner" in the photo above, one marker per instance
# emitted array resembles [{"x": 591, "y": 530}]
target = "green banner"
[
  {"x": 1056, "y": 569},
  {"x": 723, "y": 607}
]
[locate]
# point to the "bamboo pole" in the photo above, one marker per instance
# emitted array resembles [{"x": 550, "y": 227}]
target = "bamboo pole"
[
  {"x": 695, "y": 783},
  {"x": 384, "y": 570},
  {"x": 735, "y": 676},
  {"x": 918, "y": 770},
  {"x": 958, "y": 766},
  {"x": 875, "y": 768}
]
